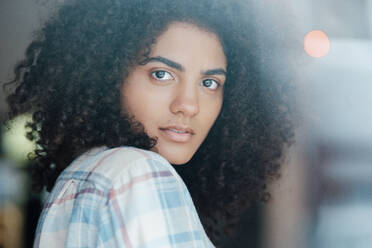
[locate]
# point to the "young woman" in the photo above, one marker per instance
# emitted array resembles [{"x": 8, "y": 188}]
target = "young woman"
[{"x": 132, "y": 101}]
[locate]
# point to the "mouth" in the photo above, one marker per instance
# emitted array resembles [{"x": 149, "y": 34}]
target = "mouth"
[{"x": 179, "y": 134}]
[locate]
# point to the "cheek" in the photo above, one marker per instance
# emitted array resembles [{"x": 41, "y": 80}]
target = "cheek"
[
  {"x": 142, "y": 104},
  {"x": 138, "y": 109},
  {"x": 211, "y": 111},
  {"x": 133, "y": 95}
]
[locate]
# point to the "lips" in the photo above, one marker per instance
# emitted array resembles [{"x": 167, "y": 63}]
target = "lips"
[
  {"x": 177, "y": 131},
  {"x": 179, "y": 134}
]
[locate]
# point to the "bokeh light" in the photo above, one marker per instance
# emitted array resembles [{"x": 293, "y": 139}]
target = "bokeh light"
[
  {"x": 316, "y": 44},
  {"x": 16, "y": 145}
]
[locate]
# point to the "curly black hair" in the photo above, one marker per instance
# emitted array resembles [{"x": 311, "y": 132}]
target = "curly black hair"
[{"x": 74, "y": 68}]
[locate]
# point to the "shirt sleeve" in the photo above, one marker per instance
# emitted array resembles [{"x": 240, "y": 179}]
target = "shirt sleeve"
[{"x": 150, "y": 206}]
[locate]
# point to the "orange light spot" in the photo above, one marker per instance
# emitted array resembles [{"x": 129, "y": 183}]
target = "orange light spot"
[{"x": 316, "y": 44}]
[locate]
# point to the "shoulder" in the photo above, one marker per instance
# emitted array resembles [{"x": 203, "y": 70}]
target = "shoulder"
[{"x": 118, "y": 164}]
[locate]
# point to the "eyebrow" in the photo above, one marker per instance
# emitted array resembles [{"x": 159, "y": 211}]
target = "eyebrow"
[
  {"x": 168, "y": 62},
  {"x": 218, "y": 71},
  {"x": 177, "y": 66}
]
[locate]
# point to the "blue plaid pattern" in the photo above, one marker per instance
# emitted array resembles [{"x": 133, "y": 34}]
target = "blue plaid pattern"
[{"x": 121, "y": 197}]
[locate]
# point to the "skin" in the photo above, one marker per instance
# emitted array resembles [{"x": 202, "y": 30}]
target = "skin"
[{"x": 177, "y": 95}]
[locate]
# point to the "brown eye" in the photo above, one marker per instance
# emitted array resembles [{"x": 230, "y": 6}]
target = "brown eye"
[
  {"x": 161, "y": 75},
  {"x": 210, "y": 84}
]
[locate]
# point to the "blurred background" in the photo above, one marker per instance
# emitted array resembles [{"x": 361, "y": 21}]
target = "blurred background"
[{"x": 324, "y": 196}]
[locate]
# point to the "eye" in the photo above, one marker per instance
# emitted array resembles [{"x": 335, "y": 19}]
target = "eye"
[
  {"x": 210, "y": 84},
  {"x": 161, "y": 75}
]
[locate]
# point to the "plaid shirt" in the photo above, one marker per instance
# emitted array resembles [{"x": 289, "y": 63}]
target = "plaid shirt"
[{"x": 121, "y": 197}]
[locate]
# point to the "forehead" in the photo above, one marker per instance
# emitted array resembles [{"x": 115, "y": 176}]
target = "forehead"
[{"x": 186, "y": 42}]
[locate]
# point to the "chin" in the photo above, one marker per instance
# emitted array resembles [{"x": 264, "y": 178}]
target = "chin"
[
  {"x": 175, "y": 156},
  {"x": 176, "y": 160}
]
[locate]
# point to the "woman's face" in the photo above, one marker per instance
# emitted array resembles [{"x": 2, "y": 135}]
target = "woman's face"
[{"x": 177, "y": 95}]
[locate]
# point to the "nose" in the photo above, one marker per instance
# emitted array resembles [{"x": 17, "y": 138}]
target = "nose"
[{"x": 185, "y": 100}]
